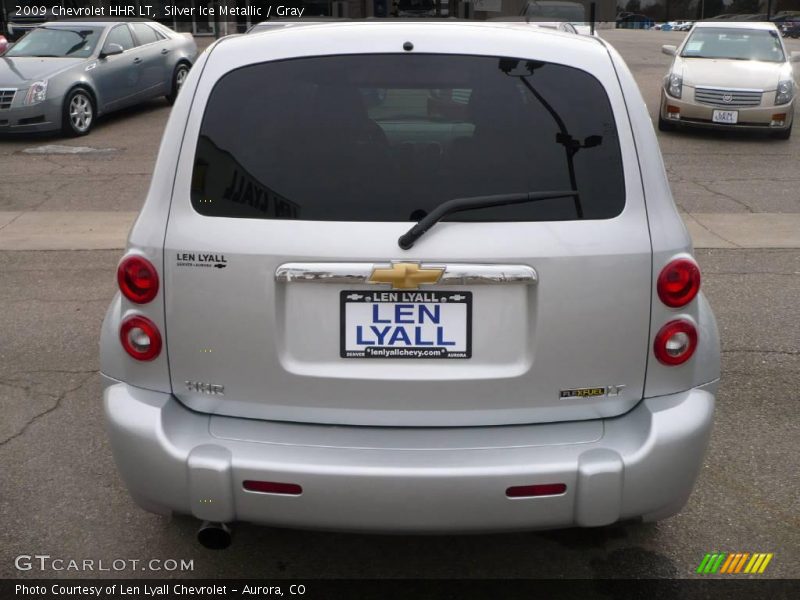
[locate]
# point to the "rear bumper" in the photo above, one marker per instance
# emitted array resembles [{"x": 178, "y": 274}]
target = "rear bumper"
[{"x": 641, "y": 464}]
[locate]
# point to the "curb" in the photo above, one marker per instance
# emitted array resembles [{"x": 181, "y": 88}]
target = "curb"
[{"x": 98, "y": 230}]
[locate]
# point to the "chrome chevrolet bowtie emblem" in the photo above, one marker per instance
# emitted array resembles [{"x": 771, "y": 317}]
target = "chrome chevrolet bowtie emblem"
[{"x": 406, "y": 276}]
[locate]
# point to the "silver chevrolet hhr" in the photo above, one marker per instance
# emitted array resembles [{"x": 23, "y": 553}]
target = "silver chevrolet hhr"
[{"x": 417, "y": 277}]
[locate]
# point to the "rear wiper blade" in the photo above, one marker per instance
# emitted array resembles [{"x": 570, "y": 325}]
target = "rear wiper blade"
[{"x": 408, "y": 239}]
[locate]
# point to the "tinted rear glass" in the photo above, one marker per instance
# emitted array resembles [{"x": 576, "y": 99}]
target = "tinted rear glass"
[{"x": 388, "y": 137}]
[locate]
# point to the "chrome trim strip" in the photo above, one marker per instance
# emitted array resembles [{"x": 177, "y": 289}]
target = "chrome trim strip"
[
  {"x": 727, "y": 89},
  {"x": 359, "y": 273},
  {"x": 459, "y": 274},
  {"x": 323, "y": 272}
]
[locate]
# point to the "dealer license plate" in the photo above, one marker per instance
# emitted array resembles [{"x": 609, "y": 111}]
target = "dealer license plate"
[
  {"x": 731, "y": 117},
  {"x": 405, "y": 324}
]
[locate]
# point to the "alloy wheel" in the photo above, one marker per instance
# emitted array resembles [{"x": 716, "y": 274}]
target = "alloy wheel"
[
  {"x": 80, "y": 112},
  {"x": 181, "y": 76}
]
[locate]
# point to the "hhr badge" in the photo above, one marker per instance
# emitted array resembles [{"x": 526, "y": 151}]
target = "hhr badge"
[{"x": 212, "y": 389}]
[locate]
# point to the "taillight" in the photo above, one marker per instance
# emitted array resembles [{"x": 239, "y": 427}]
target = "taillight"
[
  {"x": 138, "y": 279},
  {"x": 678, "y": 282},
  {"x": 140, "y": 338},
  {"x": 675, "y": 342}
]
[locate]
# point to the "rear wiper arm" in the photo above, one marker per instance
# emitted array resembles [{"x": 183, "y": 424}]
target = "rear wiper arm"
[{"x": 408, "y": 239}]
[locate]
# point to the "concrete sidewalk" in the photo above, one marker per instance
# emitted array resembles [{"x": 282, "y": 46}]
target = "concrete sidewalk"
[
  {"x": 75, "y": 230},
  {"x": 94, "y": 230}
]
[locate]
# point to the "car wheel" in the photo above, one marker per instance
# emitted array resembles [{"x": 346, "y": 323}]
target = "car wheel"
[
  {"x": 663, "y": 125},
  {"x": 79, "y": 113},
  {"x": 783, "y": 134},
  {"x": 178, "y": 78}
]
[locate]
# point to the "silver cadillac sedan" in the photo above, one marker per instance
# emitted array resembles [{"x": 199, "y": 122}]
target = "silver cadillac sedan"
[
  {"x": 62, "y": 75},
  {"x": 384, "y": 280},
  {"x": 730, "y": 76}
]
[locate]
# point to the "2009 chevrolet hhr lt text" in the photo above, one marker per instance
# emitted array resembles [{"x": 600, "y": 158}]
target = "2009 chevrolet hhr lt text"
[{"x": 409, "y": 277}]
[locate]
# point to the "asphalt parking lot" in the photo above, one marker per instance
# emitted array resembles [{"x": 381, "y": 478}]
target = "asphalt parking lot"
[{"x": 60, "y": 493}]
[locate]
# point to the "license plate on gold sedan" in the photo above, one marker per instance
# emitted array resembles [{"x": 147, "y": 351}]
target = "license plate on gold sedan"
[
  {"x": 729, "y": 117},
  {"x": 398, "y": 324}
]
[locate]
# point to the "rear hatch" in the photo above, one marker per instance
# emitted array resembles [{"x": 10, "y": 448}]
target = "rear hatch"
[{"x": 288, "y": 296}]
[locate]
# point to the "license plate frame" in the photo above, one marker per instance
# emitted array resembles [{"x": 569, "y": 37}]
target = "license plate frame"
[
  {"x": 725, "y": 117},
  {"x": 460, "y": 300}
]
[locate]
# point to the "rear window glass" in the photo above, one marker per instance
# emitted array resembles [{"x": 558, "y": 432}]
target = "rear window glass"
[{"x": 389, "y": 137}]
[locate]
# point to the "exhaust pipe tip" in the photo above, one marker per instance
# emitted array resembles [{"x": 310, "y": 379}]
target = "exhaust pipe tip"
[{"x": 214, "y": 536}]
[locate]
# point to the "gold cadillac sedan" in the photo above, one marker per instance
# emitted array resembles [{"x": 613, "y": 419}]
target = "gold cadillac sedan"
[{"x": 731, "y": 76}]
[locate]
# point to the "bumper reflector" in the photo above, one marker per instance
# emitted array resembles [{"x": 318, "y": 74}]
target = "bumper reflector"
[
  {"x": 778, "y": 120},
  {"x": 542, "y": 489},
  {"x": 273, "y": 487}
]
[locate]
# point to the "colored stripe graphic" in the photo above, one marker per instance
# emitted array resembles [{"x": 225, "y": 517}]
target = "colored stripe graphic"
[
  {"x": 737, "y": 556},
  {"x": 766, "y": 562},
  {"x": 703, "y": 563},
  {"x": 734, "y": 562},
  {"x": 741, "y": 562},
  {"x": 727, "y": 564},
  {"x": 711, "y": 562},
  {"x": 755, "y": 562},
  {"x": 718, "y": 563}
]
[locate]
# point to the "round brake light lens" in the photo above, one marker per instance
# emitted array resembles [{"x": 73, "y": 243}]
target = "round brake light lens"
[
  {"x": 137, "y": 279},
  {"x": 140, "y": 338},
  {"x": 678, "y": 282},
  {"x": 675, "y": 342}
]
